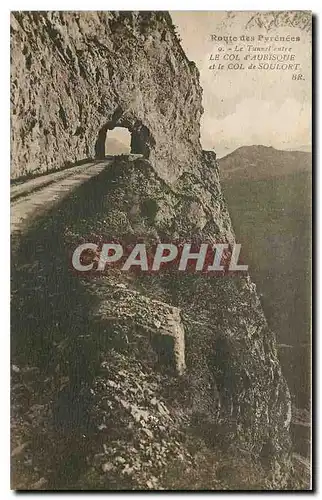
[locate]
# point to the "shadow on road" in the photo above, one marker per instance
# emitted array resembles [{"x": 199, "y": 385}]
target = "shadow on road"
[{"x": 51, "y": 329}]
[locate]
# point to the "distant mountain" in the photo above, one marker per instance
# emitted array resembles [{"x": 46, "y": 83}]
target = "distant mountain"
[
  {"x": 268, "y": 192},
  {"x": 304, "y": 147},
  {"x": 116, "y": 147},
  {"x": 262, "y": 162}
]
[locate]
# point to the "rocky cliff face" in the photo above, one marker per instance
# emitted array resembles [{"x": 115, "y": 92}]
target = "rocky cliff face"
[{"x": 75, "y": 76}]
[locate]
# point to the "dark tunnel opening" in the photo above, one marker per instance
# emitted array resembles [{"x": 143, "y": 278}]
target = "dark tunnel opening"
[{"x": 123, "y": 139}]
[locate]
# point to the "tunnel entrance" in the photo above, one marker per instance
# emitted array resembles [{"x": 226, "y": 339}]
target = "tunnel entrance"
[
  {"x": 118, "y": 141},
  {"x": 125, "y": 139},
  {"x": 112, "y": 141}
]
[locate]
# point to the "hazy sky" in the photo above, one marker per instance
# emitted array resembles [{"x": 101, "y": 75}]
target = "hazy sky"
[{"x": 251, "y": 106}]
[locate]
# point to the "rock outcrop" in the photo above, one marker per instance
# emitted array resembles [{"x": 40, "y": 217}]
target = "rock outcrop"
[
  {"x": 75, "y": 75},
  {"x": 160, "y": 322}
]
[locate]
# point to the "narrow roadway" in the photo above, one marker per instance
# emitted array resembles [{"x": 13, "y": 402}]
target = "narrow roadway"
[{"x": 33, "y": 198}]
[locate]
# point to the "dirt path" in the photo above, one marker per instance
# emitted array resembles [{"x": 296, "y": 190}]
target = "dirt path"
[{"x": 35, "y": 197}]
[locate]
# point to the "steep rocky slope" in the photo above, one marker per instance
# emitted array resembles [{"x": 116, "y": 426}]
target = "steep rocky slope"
[{"x": 93, "y": 383}]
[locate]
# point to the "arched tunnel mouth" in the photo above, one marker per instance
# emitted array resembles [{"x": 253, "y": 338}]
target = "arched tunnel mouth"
[{"x": 123, "y": 138}]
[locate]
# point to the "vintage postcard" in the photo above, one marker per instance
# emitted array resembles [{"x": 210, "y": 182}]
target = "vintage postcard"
[{"x": 161, "y": 250}]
